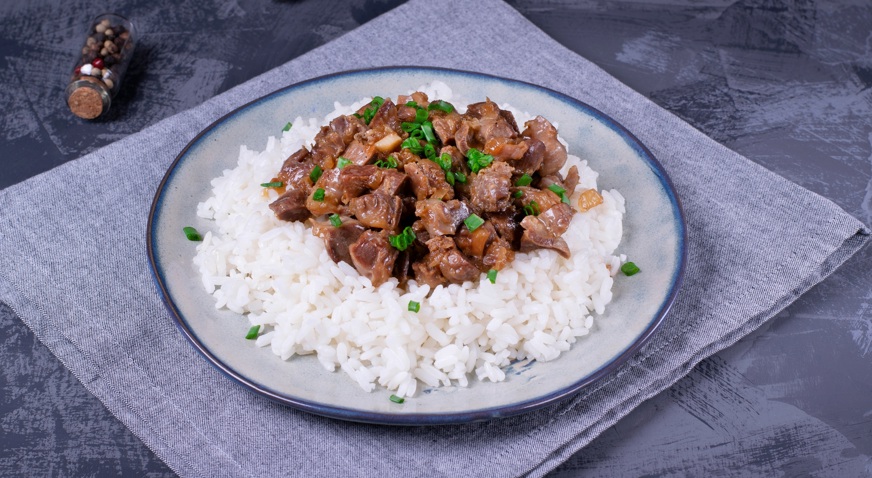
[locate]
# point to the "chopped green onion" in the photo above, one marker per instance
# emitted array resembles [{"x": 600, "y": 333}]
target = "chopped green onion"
[
  {"x": 316, "y": 173},
  {"x": 460, "y": 177},
  {"x": 441, "y": 106},
  {"x": 430, "y": 152},
  {"x": 397, "y": 399},
  {"x": 403, "y": 240},
  {"x": 274, "y": 184},
  {"x": 417, "y": 134},
  {"x": 370, "y": 111},
  {"x": 478, "y": 160},
  {"x": 473, "y": 222},
  {"x": 335, "y": 220},
  {"x": 413, "y": 145},
  {"x": 412, "y": 104},
  {"x": 319, "y": 195},
  {"x": 492, "y": 276},
  {"x": 629, "y": 268},
  {"x": 518, "y": 193},
  {"x": 342, "y": 162},
  {"x": 252, "y": 332},
  {"x": 524, "y": 180},
  {"x": 532, "y": 209},
  {"x": 449, "y": 176},
  {"x": 387, "y": 163},
  {"x": 414, "y": 306},
  {"x": 444, "y": 161},
  {"x": 427, "y": 128},
  {"x": 560, "y": 191},
  {"x": 556, "y": 189},
  {"x": 192, "y": 234},
  {"x": 421, "y": 115},
  {"x": 409, "y": 127},
  {"x": 287, "y": 127}
]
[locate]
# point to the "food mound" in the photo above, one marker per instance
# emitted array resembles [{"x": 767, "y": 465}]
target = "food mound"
[
  {"x": 417, "y": 190},
  {"x": 417, "y": 211}
]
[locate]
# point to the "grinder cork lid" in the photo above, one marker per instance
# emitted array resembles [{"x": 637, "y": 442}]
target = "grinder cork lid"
[{"x": 87, "y": 100}]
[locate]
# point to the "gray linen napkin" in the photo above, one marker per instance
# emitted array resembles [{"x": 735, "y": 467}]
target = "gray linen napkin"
[{"x": 73, "y": 266}]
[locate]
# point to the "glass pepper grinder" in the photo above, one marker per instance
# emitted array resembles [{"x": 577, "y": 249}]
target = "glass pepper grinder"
[{"x": 103, "y": 60}]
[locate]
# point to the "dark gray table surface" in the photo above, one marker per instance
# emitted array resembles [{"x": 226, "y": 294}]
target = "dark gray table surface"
[{"x": 786, "y": 83}]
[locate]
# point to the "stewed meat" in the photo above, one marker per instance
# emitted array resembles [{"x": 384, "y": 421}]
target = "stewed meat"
[
  {"x": 339, "y": 238},
  {"x": 454, "y": 266},
  {"x": 555, "y": 153},
  {"x": 445, "y": 125},
  {"x": 326, "y": 196},
  {"x": 441, "y": 218},
  {"x": 428, "y": 180},
  {"x": 544, "y": 230},
  {"x": 291, "y": 206},
  {"x": 355, "y": 180},
  {"x": 386, "y": 118},
  {"x": 532, "y": 159},
  {"x": 423, "y": 191},
  {"x": 373, "y": 256},
  {"x": 377, "y": 210},
  {"x": 506, "y": 149},
  {"x": 490, "y": 188},
  {"x": 296, "y": 169}
]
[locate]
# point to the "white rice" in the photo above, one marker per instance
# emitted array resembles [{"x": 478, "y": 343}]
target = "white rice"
[{"x": 278, "y": 274}]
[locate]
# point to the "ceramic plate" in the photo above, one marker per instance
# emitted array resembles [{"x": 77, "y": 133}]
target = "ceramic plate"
[{"x": 654, "y": 238}]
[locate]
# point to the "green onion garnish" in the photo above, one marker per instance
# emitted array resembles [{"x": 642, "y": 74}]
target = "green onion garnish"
[
  {"x": 274, "y": 184},
  {"x": 421, "y": 115},
  {"x": 370, "y": 111},
  {"x": 560, "y": 191},
  {"x": 409, "y": 127},
  {"x": 532, "y": 209},
  {"x": 387, "y": 163},
  {"x": 629, "y": 268},
  {"x": 444, "y": 161},
  {"x": 413, "y": 145},
  {"x": 427, "y": 128},
  {"x": 192, "y": 234},
  {"x": 492, "y": 276},
  {"x": 414, "y": 306},
  {"x": 287, "y": 127},
  {"x": 430, "y": 151},
  {"x": 524, "y": 180},
  {"x": 460, "y": 177},
  {"x": 449, "y": 176},
  {"x": 412, "y": 104},
  {"x": 319, "y": 195},
  {"x": 473, "y": 222},
  {"x": 556, "y": 189},
  {"x": 316, "y": 173},
  {"x": 518, "y": 193},
  {"x": 252, "y": 332},
  {"x": 397, "y": 399},
  {"x": 441, "y": 106},
  {"x": 403, "y": 240},
  {"x": 478, "y": 160},
  {"x": 335, "y": 220},
  {"x": 342, "y": 162}
]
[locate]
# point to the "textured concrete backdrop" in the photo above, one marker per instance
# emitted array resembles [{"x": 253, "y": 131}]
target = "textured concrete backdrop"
[{"x": 784, "y": 82}]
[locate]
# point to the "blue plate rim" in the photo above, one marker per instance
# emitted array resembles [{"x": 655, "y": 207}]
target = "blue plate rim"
[{"x": 416, "y": 419}]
